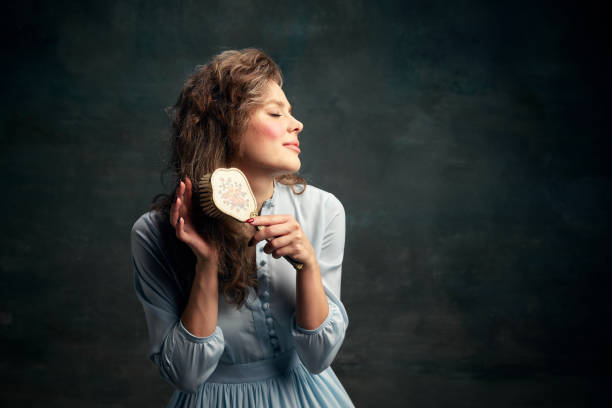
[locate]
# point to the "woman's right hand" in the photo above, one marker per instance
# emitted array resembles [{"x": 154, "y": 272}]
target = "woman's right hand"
[{"x": 205, "y": 253}]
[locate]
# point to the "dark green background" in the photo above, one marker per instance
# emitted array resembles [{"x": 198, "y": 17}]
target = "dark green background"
[{"x": 467, "y": 140}]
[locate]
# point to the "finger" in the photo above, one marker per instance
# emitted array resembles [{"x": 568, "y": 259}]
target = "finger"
[
  {"x": 178, "y": 192},
  {"x": 179, "y": 208},
  {"x": 181, "y": 189},
  {"x": 292, "y": 251},
  {"x": 271, "y": 219},
  {"x": 180, "y": 228},
  {"x": 177, "y": 203},
  {"x": 183, "y": 230},
  {"x": 188, "y": 192},
  {"x": 274, "y": 231},
  {"x": 278, "y": 243},
  {"x": 174, "y": 212}
]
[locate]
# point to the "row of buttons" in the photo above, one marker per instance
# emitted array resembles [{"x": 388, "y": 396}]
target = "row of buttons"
[
  {"x": 265, "y": 305},
  {"x": 265, "y": 285}
]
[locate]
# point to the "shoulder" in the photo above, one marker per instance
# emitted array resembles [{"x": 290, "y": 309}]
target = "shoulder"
[
  {"x": 149, "y": 228},
  {"x": 147, "y": 223},
  {"x": 325, "y": 200},
  {"x": 312, "y": 204},
  {"x": 156, "y": 264},
  {"x": 153, "y": 246},
  {"x": 311, "y": 195}
]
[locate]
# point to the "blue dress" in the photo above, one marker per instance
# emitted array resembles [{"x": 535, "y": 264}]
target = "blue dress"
[{"x": 258, "y": 356}]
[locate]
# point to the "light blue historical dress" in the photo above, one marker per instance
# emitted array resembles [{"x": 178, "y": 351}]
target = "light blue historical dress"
[{"x": 257, "y": 356}]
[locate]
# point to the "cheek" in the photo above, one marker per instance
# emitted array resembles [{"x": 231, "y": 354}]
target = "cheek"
[{"x": 269, "y": 131}]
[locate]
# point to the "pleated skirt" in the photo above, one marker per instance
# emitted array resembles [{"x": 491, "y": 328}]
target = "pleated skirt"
[{"x": 263, "y": 385}]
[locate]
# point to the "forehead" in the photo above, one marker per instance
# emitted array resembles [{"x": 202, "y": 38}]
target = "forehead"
[{"x": 274, "y": 93}]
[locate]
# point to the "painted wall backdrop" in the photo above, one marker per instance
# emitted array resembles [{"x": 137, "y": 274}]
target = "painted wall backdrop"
[{"x": 467, "y": 140}]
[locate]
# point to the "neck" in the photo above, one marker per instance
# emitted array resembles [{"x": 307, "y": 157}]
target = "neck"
[{"x": 262, "y": 186}]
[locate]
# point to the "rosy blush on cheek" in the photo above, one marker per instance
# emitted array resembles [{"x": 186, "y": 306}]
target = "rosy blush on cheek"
[{"x": 268, "y": 131}]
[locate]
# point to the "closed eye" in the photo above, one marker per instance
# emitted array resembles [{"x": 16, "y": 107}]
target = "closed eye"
[{"x": 276, "y": 114}]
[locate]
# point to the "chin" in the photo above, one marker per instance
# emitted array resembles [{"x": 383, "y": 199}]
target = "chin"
[
  {"x": 296, "y": 166},
  {"x": 289, "y": 167}
]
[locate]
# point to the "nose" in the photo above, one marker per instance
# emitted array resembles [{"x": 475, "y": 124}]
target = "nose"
[{"x": 296, "y": 126}]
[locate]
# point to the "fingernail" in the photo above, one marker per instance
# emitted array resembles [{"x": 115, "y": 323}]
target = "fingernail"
[
  {"x": 179, "y": 219},
  {"x": 250, "y": 220}
]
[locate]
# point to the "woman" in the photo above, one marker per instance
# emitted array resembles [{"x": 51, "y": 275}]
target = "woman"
[{"x": 232, "y": 323}]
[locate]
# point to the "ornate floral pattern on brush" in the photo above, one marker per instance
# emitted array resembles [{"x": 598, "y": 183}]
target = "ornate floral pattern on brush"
[{"x": 233, "y": 195}]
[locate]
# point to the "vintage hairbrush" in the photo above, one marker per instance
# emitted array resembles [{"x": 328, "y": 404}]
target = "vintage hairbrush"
[{"x": 227, "y": 192}]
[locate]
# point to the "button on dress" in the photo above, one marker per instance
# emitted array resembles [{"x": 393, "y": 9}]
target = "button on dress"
[{"x": 257, "y": 356}]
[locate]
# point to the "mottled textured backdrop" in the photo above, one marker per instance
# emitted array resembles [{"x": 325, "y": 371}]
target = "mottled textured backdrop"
[{"x": 467, "y": 140}]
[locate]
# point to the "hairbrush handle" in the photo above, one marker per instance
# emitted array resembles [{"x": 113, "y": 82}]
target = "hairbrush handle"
[{"x": 297, "y": 265}]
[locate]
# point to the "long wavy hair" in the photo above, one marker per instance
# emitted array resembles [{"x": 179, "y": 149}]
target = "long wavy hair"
[{"x": 208, "y": 120}]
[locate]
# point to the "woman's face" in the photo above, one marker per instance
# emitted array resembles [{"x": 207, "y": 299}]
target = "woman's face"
[{"x": 269, "y": 144}]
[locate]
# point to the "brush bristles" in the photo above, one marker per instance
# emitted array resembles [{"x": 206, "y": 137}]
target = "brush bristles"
[{"x": 206, "y": 197}]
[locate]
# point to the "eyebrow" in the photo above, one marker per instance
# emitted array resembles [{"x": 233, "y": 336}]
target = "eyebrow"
[{"x": 279, "y": 103}]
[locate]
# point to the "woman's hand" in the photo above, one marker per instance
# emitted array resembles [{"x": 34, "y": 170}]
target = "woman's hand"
[
  {"x": 286, "y": 238},
  {"x": 182, "y": 221}
]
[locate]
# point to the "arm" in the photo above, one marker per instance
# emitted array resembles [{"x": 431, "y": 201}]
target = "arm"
[
  {"x": 318, "y": 346},
  {"x": 186, "y": 350},
  {"x": 183, "y": 358},
  {"x": 319, "y": 321}
]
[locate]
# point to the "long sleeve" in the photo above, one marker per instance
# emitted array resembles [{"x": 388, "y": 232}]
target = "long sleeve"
[
  {"x": 317, "y": 348},
  {"x": 186, "y": 361}
]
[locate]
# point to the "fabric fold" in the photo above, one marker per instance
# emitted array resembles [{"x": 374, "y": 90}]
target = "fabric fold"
[
  {"x": 186, "y": 361},
  {"x": 318, "y": 347},
  {"x": 296, "y": 388},
  {"x": 183, "y": 359}
]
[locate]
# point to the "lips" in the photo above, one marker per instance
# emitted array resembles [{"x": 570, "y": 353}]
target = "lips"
[{"x": 293, "y": 146}]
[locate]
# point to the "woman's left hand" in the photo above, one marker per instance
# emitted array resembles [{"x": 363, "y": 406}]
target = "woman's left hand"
[{"x": 286, "y": 238}]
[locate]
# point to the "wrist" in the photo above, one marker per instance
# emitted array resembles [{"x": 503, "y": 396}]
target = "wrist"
[
  {"x": 311, "y": 263},
  {"x": 206, "y": 282},
  {"x": 310, "y": 267},
  {"x": 206, "y": 267}
]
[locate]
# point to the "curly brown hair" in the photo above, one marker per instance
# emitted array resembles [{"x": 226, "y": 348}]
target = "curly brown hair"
[{"x": 208, "y": 120}]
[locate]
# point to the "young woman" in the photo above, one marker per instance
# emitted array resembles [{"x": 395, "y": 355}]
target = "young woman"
[{"x": 231, "y": 323}]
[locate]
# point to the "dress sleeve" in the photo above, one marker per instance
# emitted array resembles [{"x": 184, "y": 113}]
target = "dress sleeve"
[
  {"x": 184, "y": 360},
  {"x": 317, "y": 348}
]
